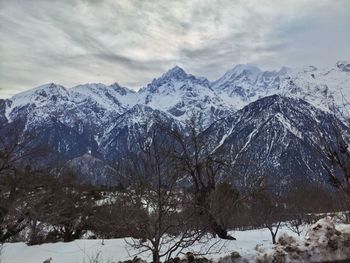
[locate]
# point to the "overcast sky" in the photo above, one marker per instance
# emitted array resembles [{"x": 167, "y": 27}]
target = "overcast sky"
[{"x": 132, "y": 41}]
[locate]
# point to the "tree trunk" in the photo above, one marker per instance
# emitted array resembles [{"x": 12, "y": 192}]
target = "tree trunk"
[
  {"x": 274, "y": 233},
  {"x": 215, "y": 227},
  {"x": 273, "y": 238},
  {"x": 67, "y": 236},
  {"x": 219, "y": 230},
  {"x": 33, "y": 235},
  {"x": 156, "y": 258}
]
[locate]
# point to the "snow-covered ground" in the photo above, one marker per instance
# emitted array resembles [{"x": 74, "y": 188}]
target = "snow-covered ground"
[
  {"x": 323, "y": 241},
  {"x": 113, "y": 250}
]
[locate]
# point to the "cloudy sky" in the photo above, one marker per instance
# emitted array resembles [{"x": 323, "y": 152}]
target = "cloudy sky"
[{"x": 132, "y": 41}]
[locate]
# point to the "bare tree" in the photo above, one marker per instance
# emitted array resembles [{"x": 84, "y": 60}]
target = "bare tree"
[
  {"x": 268, "y": 211},
  {"x": 13, "y": 209},
  {"x": 222, "y": 203},
  {"x": 299, "y": 203},
  {"x": 15, "y": 149},
  {"x": 37, "y": 193},
  {"x": 339, "y": 157},
  {"x": 303, "y": 200},
  {"x": 202, "y": 167},
  {"x": 153, "y": 208},
  {"x": 68, "y": 207},
  {"x": 336, "y": 151}
]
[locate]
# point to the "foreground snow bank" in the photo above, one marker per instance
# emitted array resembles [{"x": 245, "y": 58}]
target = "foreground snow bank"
[{"x": 323, "y": 243}]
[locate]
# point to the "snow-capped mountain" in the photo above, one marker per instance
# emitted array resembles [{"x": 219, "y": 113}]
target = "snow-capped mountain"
[
  {"x": 126, "y": 131},
  {"x": 113, "y": 98},
  {"x": 246, "y": 83},
  {"x": 323, "y": 88},
  {"x": 88, "y": 107},
  {"x": 275, "y": 116},
  {"x": 276, "y": 137},
  {"x": 182, "y": 95}
]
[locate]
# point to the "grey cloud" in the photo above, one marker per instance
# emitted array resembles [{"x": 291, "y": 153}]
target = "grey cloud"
[{"x": 133, "y": 41}]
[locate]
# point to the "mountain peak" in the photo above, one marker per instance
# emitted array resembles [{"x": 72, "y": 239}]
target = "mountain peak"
[
  {"x": 175, "y": 72},
  {"x": 50, "y": 85},
  {"x": 247, "y": 71},
  {"x": 122, "y": 90},
  {"x": 43, "y": 90}
]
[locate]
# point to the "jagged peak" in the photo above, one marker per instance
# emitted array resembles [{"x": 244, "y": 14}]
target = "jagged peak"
[
  {"x": 176, "y": 68},
  {"x": 88, "y": 85},
  {"x": 51, "y": 88},
  {"x": 250, "y": 71},
  {"x": 98, "y": 87},
  {"x": 178, "y": 73},
  {"x": 175, "y": 72},
  {"x": 118, "y": 87}
]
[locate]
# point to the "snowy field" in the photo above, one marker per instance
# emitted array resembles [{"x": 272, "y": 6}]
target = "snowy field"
[
  {"x": 322, "y": 242},
  {"x": 113, "y": 250}
]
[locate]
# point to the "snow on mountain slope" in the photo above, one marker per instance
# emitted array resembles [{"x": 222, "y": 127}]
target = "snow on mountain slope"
[
  {"x": 182, "y": 94},
  {"x": 247, "y": 72},
  {"x": 109, "y": 97},
  {"x": 323, "y": 88},
  {"x": 276, "y": 137},
  {"x": 244, "y": 84},
  {"x": 87, "y": 107},
  {"x": 125, "y": 132},
  {"x": 41, "y": 104},
  {"x": 50, "y": 98},
  {"x": 38, "y": 97},
  {"x": 109, "y": 120}
]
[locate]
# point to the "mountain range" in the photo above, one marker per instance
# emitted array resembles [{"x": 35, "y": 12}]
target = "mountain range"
[{"x": 274, "y": 119}]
